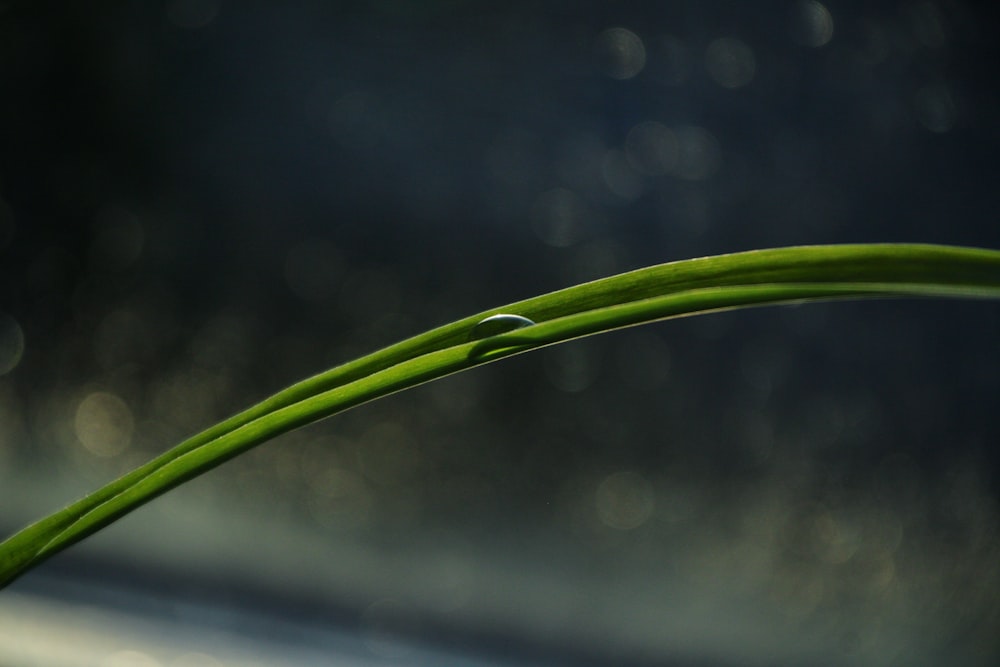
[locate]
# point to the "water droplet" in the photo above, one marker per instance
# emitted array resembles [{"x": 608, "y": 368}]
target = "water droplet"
[{"x": 494, "y": 325}]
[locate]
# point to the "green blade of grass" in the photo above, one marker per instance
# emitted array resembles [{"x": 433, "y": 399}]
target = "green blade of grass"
[{"x": 675, "y": 289}]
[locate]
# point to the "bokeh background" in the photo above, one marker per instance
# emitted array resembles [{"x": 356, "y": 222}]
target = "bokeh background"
[{"x": 203, "y": 201}]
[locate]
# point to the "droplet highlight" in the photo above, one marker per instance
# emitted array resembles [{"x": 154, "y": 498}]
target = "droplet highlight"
[{"x": 494, "y": 325}]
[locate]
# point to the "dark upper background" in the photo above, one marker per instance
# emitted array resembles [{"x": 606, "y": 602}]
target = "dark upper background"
[{"x": 203, "y": 201}]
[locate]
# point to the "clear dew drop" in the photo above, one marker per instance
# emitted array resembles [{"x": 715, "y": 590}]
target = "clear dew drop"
[{"x": 495, "y": 325}]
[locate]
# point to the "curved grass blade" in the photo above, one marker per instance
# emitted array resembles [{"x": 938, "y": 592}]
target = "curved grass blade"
[{"x": 754, "y": 278}]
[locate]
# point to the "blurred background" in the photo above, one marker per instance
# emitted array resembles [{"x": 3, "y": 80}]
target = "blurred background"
[{"x": 203, "y": 201}]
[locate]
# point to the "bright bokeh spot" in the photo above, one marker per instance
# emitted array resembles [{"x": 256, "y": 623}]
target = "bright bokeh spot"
[
  {"x": 620, "y": 53},
  {"x": 811, "y": 24},
  {"x": 104, "y": 424}
]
